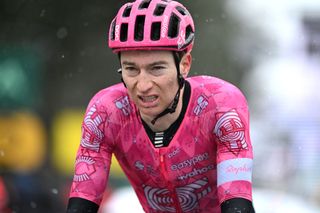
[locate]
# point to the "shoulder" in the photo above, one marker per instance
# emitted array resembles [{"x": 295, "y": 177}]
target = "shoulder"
[
  {"x": 110, "y": 98},
  {"x": 212, "y": 84},
  {"x": 223, "y": 93},
  {"x": 109, "y": 94}
]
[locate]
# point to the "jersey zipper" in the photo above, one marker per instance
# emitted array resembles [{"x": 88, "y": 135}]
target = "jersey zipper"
[{"x": 170, "y": 185}]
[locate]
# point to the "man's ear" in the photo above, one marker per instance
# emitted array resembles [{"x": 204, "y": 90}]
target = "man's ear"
[{"x": 185, "y": 64}]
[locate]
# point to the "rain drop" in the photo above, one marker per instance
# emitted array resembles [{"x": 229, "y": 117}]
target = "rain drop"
[
  {"x": 33, "y": 205},
  {"x": 62, "y": 33},
  {"x": 42, "y": 13},
  {"x": 54, "y": 191}
]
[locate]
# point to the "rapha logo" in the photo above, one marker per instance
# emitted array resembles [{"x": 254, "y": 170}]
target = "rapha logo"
[{"x": 240, "y": 169}]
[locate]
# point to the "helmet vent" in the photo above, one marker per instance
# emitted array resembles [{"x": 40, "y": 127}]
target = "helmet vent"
[
  {"x": 182, "y": 11},
  {"x": 155, "y": 31},
  {"x": 124, "y": 32},
  {"x": 113, "y": 26},
  {"x": 173, "y": 26},
  {"x": 139, "y": 28},
  {"x": 144, "y": 4},
  {"x": 189, "y": 31},
  {"x": 159, "y": 10},
  {"x": 127, "y": 11}
]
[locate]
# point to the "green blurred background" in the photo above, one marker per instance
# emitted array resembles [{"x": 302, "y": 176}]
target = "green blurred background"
[{"x": 54, "y": 57}]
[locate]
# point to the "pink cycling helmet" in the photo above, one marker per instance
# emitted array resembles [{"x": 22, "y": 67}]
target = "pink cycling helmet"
[{"x": 152, "y": 25}]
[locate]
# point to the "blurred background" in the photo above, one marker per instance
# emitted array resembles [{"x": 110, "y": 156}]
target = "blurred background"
[{"x": 54, "y": 58}]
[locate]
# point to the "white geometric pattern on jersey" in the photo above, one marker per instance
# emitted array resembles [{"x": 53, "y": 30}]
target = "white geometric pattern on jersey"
[
  {"x": 162, "y": 200},
  {"x": 124, "y": 105},
  {"x": 158, "y": 139},
  {"x": 230, "y": 129},
  {"x": 84, "y": 175},
  {"x": 202, "y": 103},
  {"x": 91, "y": 134}
]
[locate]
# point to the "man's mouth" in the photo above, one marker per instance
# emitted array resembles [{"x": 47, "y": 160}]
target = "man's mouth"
[{"x": 148, "y": 99}]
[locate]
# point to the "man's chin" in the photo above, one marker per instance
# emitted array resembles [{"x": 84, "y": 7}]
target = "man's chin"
[{"x": 149, "y": 113}]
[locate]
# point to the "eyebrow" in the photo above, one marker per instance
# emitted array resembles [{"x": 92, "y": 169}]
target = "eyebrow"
[
  {"x": 158, "y": 63},
  {"x": 128, "y": 63},
  {"x": 149, "y": 65}
]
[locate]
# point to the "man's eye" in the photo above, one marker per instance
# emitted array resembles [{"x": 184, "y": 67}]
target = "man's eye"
[
  {"x": 158, "y": 67},
  {"x": 157, "y": 70},
  {"x": 130, "y": 68},
  {"x": 131, "y": 71}
]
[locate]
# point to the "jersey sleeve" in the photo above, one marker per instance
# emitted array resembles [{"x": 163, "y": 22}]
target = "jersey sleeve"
[
  {"x": 234, "y": 150},
  {"x": 93, "y": 158}
]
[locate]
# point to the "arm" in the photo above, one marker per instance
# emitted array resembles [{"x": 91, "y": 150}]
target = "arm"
[
  {"x": 79, "y": 205},
  {"x": 92, "y": 163},
  {"x": 234, "y": 153},
  {"x": 237, "y": 205}
]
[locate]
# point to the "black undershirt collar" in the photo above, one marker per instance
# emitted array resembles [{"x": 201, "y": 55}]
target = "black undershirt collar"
[{"x": 162, "y": 139}]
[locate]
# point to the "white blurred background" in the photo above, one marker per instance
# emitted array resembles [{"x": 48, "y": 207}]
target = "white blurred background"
[{"x": 285, "y": 101}]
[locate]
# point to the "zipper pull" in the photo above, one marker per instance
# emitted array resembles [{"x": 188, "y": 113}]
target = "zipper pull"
[
  {"x": 161, "y": 158},
  {"x": 163, "y": 167}
]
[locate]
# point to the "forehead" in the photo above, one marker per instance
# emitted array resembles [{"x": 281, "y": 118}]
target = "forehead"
[{"x": 146, "y": 56}]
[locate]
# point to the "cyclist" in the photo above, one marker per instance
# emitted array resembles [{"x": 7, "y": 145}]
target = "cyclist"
[{"x": 183, "y": 142}]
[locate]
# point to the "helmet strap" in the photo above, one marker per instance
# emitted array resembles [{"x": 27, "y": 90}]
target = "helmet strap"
[
  {"x": 170, "y": 109},
  {"x": 120, "y": 70}
]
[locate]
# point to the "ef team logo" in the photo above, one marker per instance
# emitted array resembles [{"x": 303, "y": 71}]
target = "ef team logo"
[{"x": 230, "y": 131}]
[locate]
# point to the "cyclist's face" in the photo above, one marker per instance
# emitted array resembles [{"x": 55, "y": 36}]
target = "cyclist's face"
[{"x": 151, "y": 80}]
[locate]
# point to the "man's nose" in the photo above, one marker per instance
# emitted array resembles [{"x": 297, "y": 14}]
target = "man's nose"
[{"x": 144, "y": 83}]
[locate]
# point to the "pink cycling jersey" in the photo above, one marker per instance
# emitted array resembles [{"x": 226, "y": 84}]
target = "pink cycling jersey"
[{"x": 208, "y": 161}]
